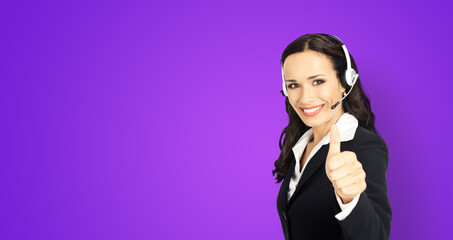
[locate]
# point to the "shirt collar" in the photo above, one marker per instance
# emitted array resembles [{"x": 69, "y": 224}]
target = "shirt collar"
[{"x": 347, "y": 125}]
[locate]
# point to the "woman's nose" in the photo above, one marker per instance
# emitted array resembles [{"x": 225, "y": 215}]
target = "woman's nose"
[{"x": 305, "y": 94}]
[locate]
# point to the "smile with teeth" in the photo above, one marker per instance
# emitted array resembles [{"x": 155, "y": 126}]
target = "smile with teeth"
[{"x": 311, "y": 110}]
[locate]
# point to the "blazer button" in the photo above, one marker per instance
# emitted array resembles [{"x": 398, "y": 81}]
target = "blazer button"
[{"x": 284, "y": 215}]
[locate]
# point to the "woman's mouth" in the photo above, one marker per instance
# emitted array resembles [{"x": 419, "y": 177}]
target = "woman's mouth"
[{"x": 312, "y": 111}]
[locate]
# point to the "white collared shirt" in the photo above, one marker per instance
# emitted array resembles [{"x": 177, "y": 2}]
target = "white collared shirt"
[{"x": 347, "y": 125}]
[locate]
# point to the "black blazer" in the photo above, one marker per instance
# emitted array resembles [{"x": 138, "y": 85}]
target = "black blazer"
[{"x": 310, "y": 213}]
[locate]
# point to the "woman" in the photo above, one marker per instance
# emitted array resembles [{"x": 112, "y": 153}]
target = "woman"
[{"x": 333, "y": 163}]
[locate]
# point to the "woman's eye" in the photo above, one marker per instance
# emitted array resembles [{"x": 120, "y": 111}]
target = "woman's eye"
[
  {"x": 319, "y": 81},
  {"x": 289, "y": 86}
]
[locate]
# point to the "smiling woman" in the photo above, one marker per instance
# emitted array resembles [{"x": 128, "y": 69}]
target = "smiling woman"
[
  {"x": 307, "y": 93},
  {"x": 332, "y": 163}
]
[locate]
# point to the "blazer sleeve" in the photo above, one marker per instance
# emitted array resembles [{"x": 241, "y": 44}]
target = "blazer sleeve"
[{"x": 370, "y": 219}]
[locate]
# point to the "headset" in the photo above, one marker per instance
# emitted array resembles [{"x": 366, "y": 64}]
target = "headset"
[{"x": 349, "y": 77}]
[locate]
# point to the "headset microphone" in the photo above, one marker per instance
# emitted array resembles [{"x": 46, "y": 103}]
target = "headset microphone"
[
  {"x": 345, "y": 95},
  {"x": 350, "y": 75}
]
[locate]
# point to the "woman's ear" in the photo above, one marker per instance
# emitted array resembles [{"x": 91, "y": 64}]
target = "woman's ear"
[{"x": 342, "y": 89}]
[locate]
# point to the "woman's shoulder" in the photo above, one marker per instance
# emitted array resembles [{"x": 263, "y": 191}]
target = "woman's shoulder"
[
  {"x": 365, "y": 137},
  {"x": 371, "y": 150}
]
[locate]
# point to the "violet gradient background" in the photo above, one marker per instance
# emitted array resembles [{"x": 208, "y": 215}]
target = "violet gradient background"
[{"x": 161, "y": 120}]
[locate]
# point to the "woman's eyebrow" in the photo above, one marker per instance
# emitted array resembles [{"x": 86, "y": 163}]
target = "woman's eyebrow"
[{"x": 292, "y": 80}]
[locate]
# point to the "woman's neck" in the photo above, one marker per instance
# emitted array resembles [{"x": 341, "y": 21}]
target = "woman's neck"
[{"x": 321, "y": 131}]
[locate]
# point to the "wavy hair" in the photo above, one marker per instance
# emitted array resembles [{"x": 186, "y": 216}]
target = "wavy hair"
[{"x": 356, "y": 103}]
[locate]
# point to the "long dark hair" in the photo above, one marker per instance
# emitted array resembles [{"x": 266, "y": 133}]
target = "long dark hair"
[{"x": 356, "y": 103}]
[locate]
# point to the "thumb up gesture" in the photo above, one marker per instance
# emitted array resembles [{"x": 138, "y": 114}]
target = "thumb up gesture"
[{"x": 343, "y": 169}]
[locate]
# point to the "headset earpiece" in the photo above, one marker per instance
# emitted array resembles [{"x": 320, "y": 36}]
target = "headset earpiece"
[
  {"x": 285, "y": 90},
  {"x": 350, "y": 76}
]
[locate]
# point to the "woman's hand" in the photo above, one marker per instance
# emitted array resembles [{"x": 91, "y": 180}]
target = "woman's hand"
[{"x": 343, "y": 169}]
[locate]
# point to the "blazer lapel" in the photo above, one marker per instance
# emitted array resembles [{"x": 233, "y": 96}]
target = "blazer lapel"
[{"x": 315, "y": 162}]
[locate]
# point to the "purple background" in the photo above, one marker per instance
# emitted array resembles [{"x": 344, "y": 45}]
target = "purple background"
[{"x": 161, "y": 120}]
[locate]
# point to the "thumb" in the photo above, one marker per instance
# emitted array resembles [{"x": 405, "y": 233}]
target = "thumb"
[{"x": 334, "y": 147}]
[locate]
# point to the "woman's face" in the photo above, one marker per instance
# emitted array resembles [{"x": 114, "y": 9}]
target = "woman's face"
[{"x": 311, "y": 82}]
